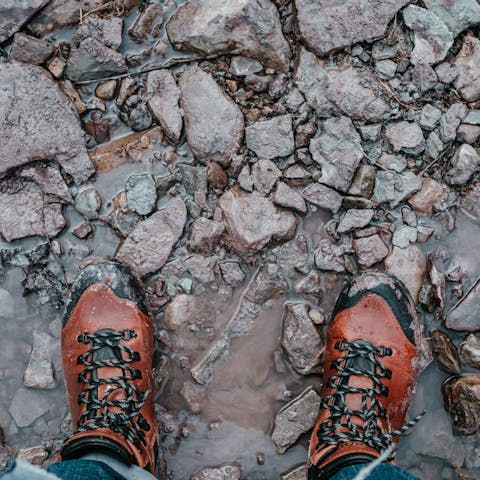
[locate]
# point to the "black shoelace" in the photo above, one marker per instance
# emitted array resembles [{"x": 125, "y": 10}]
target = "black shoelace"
[
  {"x": 117, "y": 411},
  {"x": 361, "y": 358}
]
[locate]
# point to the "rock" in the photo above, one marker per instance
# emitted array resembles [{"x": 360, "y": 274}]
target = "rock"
[
  {"x": 406, "y": 137},
  {"x": 88, "y": 203},
  {"x": 93, "y": 60},
  {"x": 232, "y": 273},
  {"x": 355, "y": 218},
  {"x": 404, "y": 236},
  {"x": 141, "y": 193},
  {"x": 387, "y": 68},
  {"x": 469, "y": 350},
  {"x": 326, "y": 27},
  {"x": 337, "y": 149},
  {"x": 139, "y": 118},
  {"x": 149, "y": 22},
  {"x": 299, "y": 473},
  {"x": 40, "y": 371},
  {"x": 33, "y": 455},
  {"x": 247, "y": 27},
  {"x": 271, "y": 138},
  {"x": 106, "y": 90},
  {"x": 242, "y": 66},
  {"x": 424, "y": 77},
  {"x": 430, "y": 193},
  {"x": 163, "y": 97},
  {"x": 451, "y": 120},
  {"x": 289, "y": 198},
  {"x": 429, "y": 117},
  {"x": 49, "y": 179},
  {"x": 27, "y": 49},
  {"x": 253, "y": 222},
  {"x": 83, "y": 230},
  {"x": 432, "y": 37},
  {"x": 194, "y": 396},
  {"x": 39, "y": 122},
  {"x": 107, "y": 30},
  {"x": 363, "y": 181},
  {"x": 204, "y": 235},
  {"x": 61, "y": 13},
  {"x": 148, "y": 246},
  {"x": 461, "y": 395},
  {"x": 15, "y": 13},
  {"x": 434, "y": 146},
  {"x": 340, "y": 90},
  {"x": 265, "y": 175},
  {"x": 295, "y": 418},
  {"x": 310, "y": 287},
  {"x": 180, "y": 311},
  {"x": 445, "y": 352},
  {"x": 470, "y": 200},
  {"x": 384, "y": 190},
  {"x": 473, "y": 117},
  {"x": 369, "y": 250},
  {"x": 468, "y": 133},
  {"x": 225, "y": 471},
  {"x": 329, "y": 256},
  {"x": 457, "y": 15},
  {"x": 27, "y": 406},
  {"x": 301, "y": 340},
  {"x": 463, "y": 317},
  {"x": 409, "y": 265},
  {"x": 465, "y": 163},
  {"x": 323, "y": 196},
  {"x": 213, "y": 122},
  {"x": 396, "y": 163},
  {"x": 216, "y": 176}
]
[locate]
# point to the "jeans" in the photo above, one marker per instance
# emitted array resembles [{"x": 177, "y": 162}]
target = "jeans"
[{"x": 96, "y": 469}]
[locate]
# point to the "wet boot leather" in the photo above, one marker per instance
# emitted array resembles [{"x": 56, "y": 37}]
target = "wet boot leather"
[
  {"x": 107, "y": 351},
  {"x": 370, "y": 372}
]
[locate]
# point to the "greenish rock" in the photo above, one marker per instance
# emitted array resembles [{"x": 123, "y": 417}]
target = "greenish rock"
[
  {"x": 88, "y": 203},
  {"x": 141, "y": 193},
  {"x": 457, "y": 15}
]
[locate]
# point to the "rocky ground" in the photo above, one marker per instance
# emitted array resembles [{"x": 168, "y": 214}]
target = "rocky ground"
[{"x": 245, "y": 159}]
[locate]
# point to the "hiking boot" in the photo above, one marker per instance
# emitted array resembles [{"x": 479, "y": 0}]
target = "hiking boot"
[
  {"x": 370, "y": 370},
  {"x": 107, "y": 352}
]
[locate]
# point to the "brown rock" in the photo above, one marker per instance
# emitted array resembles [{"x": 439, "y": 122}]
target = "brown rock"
[
  {"x": 369, "y": 250},
  {"x": 265, "y": 175},
  {"x": 27, "y": 49},
  {"x": 329, "y": 256},
  {"x": 469, "y": 350},
  {"x": 323, "y": 196},
  {"x": 445, "y": 352},
  {"x": 430, "y": 193},
  {"x": 147, "y": 23},
  {"x": 216, "y": 176},
  {"x": 106, "y": 90},
  {"x": 289, "y": 198},
  {"x": 15, "y": 13},
  {"x": 204, "y": 235}
]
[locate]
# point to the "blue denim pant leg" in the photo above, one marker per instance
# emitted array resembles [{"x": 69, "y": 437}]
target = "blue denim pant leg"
[
  {"x": 84, "y": 470},
  {"x": 384, "y": 471}
]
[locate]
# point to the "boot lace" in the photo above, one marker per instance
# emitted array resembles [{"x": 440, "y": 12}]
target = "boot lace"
[
  {"x": 361, "y": 358},
  {"x": 117, "y": 412}
]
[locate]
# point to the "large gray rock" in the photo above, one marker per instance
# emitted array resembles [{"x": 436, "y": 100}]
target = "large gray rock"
[
  {"x": 15, "y": 13},
  {"x": 457, "y": 14},
  {"x": 341, "y": 90},
  {"x": 432, "y": 37},
  {"x": 465, "y": 163},
  {"x": 252, "y": 221},
  {"x": 39, "y": 122},
  {"x": 463, "y": 316},
  {"x": 107, "y": 30},
  {"x": 337, "y": 149},
  {"x": 148, "y": 246},
  {"x": 92, "y": 60},
  {"x": 406, "y": 137},
  {"x": 326, "y": 26},
  {"x": 213, "y": 122},
  {"x": 468, "y": 67},
  {"x": 249, "y": 27}
]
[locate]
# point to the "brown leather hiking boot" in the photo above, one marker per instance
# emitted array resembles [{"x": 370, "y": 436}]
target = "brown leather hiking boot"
[
  {"x": 107, "y": 351},
  {"x": 370, "y": 370}
]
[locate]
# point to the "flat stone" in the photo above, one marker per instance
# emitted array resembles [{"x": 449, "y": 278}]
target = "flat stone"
[
  {"x": 242, "y": 66},
  {"x": 40, "y": 372},
  {"x": 461, "y": 396},
  {"x": 469, "y": 350},
  {"x": 247, "y": 27},
  {"x": 163, "y": 96},
  {"x": 148, "y": 246},
  {"x": 93, "y": 60},
  {"x": 49, "y": 179},
  {"x": 406, "y": 137},
  {"x": 337, "y": 149},
  {"x": 204, "y": 235},
  {"x": 287, "y": 197},
  {"x": 409, "y": 265},
  {"x": 323, "y": 196},
  {"x": 141, "y": 193},
  {"x": 15, "y": 13},
  {"x": 265, "y": 175},
  {"x": 213, "y": 122},
  {"x": 464, "y": 316},
  {"x": 39, "y": 122},
  {"x": 355, "y": 218},
  {"x": 465, "y": 163},
  {"x": 326, "y": 27},
  {"x": 430, "y": 193},
  {"x": 369, "y": 250},
  {"x": 429, "y": 117},
  {"x": 473, "y": 117},
  {"x": 271, "y": 138},
  {"x": 432, "y": 37},
  {"x": 330, "y": 257},
  {"x": 340, "y": 90},
  {"x": 88, "y": 203},
  {"x": 457, "y": 15},
  {"x": 467, "y": 64},
  {"x": 225, "y": 471},
  {"x": 451, "y": 120},
  {"x": 28, "y": 405},
  {"x": 295, "y": 418},
  {"x": 301, "y": 340},
  {"x": 28, "y": 49},
  {"x": 253, "y": 222},
  {"x": 445, "y": 352},
  {"x": 107, "y": 30}
]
